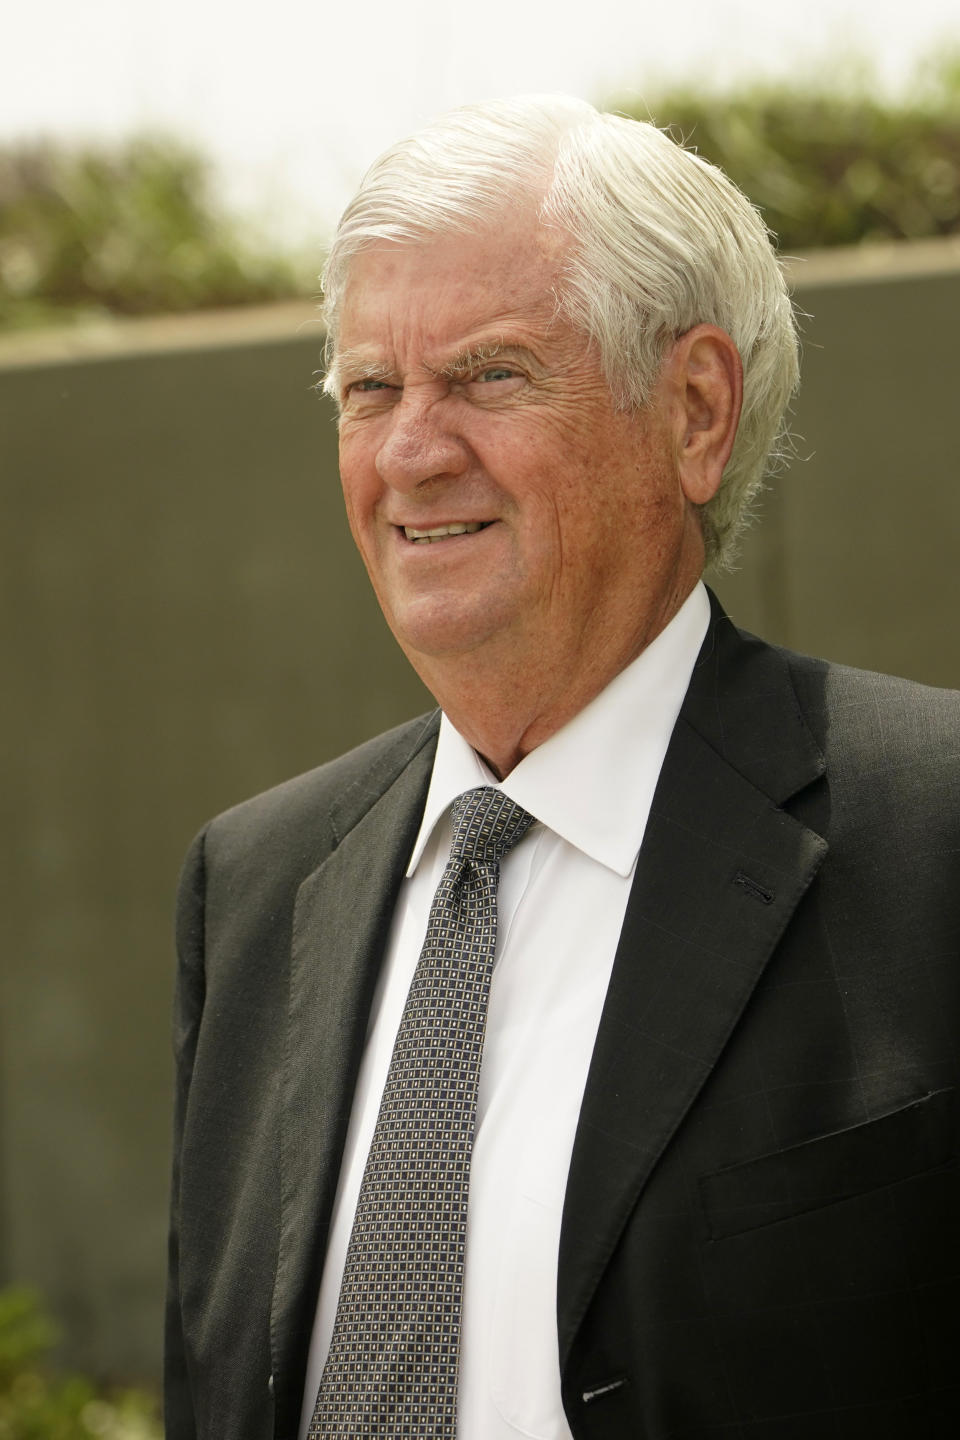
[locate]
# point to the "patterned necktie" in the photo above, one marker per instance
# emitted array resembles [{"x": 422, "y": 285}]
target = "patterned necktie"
[{"x": 392, "y": 1367}]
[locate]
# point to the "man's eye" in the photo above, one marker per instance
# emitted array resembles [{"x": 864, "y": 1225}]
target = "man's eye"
[
  {"x": 368, "y": 392},
  {"x": 497, "y": 372}
]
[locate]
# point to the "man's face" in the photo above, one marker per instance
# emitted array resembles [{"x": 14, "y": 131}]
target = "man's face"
[{"x": 500, "y": 501}]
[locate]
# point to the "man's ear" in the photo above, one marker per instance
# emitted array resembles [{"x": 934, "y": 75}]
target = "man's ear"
[{"x": 706, "y": 385}]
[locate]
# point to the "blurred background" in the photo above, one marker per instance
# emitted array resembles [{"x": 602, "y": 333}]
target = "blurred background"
[{"x": 184, "y": 621}]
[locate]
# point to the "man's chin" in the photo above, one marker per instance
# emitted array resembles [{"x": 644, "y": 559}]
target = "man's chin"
[{"x": 447, "y": 630}]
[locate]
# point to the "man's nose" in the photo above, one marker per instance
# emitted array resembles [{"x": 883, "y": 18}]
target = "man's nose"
[{"x": 421, "y": 444}]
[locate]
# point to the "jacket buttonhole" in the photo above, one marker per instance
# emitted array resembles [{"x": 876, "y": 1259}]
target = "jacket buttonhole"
[
  {"x": 597, "y": 1392},
  {"x": 754, "y": 888}
]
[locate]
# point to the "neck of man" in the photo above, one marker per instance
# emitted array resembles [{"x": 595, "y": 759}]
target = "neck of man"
[{"x": 505, "y": 703}]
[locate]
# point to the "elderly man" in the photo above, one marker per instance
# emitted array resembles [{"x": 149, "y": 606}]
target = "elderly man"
[{"x": 577, "y": 1060}]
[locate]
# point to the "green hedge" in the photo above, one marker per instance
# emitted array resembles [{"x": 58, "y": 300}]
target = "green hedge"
[
  {"x": 130, "y": 230},
  {"x": 135, "y": 230},
  {"x": 835, "y": 165}
]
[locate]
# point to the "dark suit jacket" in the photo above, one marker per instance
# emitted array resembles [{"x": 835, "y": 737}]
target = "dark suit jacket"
[{"x": 759, "y": 1236}]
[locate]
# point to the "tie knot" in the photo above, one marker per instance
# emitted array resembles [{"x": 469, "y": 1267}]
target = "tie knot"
[{"x": 486, "y": 823}]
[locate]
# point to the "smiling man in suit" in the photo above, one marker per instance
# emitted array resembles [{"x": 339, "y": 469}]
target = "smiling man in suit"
[{"x": 578, "y": 1060}]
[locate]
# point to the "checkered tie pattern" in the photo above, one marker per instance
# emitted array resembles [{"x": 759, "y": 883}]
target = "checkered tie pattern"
[{"x": 391, "y": 1371}]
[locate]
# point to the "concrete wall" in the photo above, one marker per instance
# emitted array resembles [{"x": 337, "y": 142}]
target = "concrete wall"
[
  {"x": 184, "y": 623},
  {"x": 856, "y": 556}
]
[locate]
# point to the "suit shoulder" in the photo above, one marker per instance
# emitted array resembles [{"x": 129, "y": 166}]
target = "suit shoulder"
[
  {"x": 746, "y": 686},
  {"x": 866, "y": 708},
  {"x": 890, "y": 745},
  {"x": 303, "y": 811}
]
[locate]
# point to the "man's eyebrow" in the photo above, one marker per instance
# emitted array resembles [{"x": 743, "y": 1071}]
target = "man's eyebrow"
[
  {"x": 471, "y": 359},
  {"x": 354, "y": 365}
]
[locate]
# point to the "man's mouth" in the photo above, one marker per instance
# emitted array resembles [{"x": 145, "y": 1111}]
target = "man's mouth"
[{"x": 442, "y": 532}]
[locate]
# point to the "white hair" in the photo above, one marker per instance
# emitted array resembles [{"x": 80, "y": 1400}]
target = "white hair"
[{"x": 661, "y": 241}]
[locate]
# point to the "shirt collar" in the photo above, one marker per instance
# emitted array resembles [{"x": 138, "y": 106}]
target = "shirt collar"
[{"x": 593, "y": 781}]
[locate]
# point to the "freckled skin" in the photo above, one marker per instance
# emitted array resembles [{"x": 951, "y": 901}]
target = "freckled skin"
[{"x": 593, "y": 542}]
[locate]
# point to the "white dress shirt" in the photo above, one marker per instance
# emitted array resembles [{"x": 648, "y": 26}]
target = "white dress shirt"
[{"x": 562, "y": 897}]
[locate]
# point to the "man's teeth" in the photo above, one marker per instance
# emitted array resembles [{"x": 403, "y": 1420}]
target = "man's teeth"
[{"x": 442, "y": 531}]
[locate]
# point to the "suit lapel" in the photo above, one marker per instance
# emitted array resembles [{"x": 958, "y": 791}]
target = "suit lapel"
[
  {"x": 721, "y": 871},
  {"x": 341, "y": 925}
]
